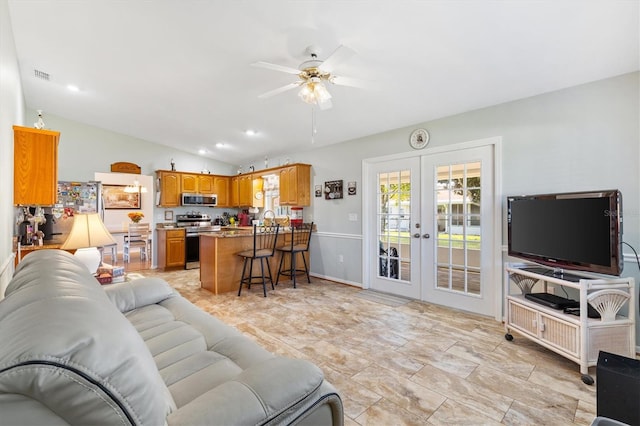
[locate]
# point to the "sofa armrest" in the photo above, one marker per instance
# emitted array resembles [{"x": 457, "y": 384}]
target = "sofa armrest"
[
  {"x": 272, "y": 390},
  {"x": 131, "y": 295}
]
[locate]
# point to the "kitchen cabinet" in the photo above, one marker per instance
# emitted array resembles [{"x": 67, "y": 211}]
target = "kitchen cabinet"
[
  {"x": 234, "y": 191},
  {"x": 206, "y": 184},
  {"x": 295, "y": 185},
  {"x": 221, "y": 188},
  {"x": 246, "y": 191},
  {"x": 35, "y": 163},
  {"x": 170, "y": 188},
  {"x": 196, "y": 183},
  {"x": 189, "y": 183},
  {"x": 171, "y": 248}
]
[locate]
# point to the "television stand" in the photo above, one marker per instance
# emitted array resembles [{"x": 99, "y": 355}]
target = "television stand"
[{"x": 578, "y": 338}]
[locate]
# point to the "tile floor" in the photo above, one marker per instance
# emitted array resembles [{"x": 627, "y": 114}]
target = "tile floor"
[{"x": 405, "y": 362}]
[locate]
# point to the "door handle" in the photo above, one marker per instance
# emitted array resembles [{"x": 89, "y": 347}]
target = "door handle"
[
  {"x": 416, "y": 235},
  {"x": 426, "y": 236}
]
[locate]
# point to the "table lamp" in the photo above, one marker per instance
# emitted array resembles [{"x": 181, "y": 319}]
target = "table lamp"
[{"x": 87, "y": 234}]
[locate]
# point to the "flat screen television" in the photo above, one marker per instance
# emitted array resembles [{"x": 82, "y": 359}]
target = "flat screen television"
[{"x": 576, "y": 231}]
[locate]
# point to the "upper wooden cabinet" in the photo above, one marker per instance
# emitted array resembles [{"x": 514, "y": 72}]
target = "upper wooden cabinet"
[
  {"x": 295, "y": 185},
  {"x": 246, "y": 191},
  {"x": 206, "y": 184},
  {"x": 240, "y": 190},
  {"x": 172, "y": 184},
  {"x": 35, "y": 163},
  {"x": 170, "y": 188},
  {"x": 197, "y": 184},
  {"x": 234, "y": 191},
  {"x": 189, "y": 183},
  {"x": 221, "y": 188}
]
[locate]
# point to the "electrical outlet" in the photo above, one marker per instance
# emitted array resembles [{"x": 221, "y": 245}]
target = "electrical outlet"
[
  {"x": 340, "y": 258},
  {"x": 353, "y": 217}
]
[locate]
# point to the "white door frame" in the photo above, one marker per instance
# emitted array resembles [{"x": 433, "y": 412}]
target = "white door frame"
[{"x": 495, "y": 274}]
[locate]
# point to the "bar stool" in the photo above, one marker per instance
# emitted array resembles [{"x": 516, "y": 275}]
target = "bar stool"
[
  {"x": 264, "y": 247},
  {"x": 300, "y": 239}
]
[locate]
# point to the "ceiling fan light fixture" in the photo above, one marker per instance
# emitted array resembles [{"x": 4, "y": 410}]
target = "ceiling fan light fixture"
[{"x": 314, "y": 92}]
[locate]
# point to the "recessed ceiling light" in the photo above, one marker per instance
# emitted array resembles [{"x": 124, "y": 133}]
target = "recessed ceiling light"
[
  {"x": 202, "y": 151},
  {"x": 221, "y": 145},
  {"x": 250, "y": 132},
  {"x": 73, "y": 88}
]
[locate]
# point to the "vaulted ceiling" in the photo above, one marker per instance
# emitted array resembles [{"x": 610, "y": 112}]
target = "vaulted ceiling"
[{"x": 179, "y": 72}]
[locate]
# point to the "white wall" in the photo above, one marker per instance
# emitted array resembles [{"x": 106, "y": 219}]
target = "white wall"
[{"x": 11, "y": 112}]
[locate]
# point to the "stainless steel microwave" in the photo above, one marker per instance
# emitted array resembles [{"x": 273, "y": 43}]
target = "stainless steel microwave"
[{"x": 210, "y": 200}]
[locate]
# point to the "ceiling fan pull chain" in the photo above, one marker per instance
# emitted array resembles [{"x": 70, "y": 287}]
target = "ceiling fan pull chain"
[{"x": 313, "y": 124}]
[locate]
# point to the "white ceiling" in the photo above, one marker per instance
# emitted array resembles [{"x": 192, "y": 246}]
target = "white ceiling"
[{"x": 178, "y": 72}]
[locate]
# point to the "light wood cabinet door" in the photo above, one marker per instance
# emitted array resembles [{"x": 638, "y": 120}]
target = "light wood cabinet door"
[
  {"x": 35, "y": 162},
  {"x": 245, "y": 190},
  {"x": 221, "y": 189},
  {"x": 189, "y": 183},
  {"x": 206, "y": 184},
  {"x": 175, "y": 252},
  {"x": 234, "y": 191},
  {"x": 171, "y": 248},
  {"x": 169, "y": 189}
]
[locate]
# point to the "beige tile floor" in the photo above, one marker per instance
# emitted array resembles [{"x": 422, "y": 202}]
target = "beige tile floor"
[{"x": 408, "y": 363}]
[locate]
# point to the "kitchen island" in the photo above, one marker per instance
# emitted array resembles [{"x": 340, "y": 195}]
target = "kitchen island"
[{"x": 220, "y": 265}]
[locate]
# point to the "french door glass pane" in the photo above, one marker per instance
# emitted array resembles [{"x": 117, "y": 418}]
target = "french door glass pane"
[
  {"x": 458, "y": 200},
  {"x": 394, "y": 217}
]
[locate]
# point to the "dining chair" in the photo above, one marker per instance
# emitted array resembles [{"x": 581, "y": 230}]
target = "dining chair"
[
  {"x": 113, "y": 249},
  {"x": 300, "y": 239},
  {"x": 137, "y": 237},
  {"x": 264, "y": 247}
]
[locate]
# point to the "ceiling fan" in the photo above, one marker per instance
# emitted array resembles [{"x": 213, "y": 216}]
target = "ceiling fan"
[{"x": 312, "y": 76}]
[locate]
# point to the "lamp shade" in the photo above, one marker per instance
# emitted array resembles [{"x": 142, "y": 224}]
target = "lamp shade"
[{"x": 88, "y": 230}]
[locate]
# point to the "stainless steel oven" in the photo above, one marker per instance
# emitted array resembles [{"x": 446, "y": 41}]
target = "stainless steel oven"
[
  {"x": 193, "y": 223},
  {"x": 193, "y": 250}
]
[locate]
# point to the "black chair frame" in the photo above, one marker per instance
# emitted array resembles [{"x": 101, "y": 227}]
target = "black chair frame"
[
  {"x": 264, "y": 247},
  {"x": 300, "y": 240}
]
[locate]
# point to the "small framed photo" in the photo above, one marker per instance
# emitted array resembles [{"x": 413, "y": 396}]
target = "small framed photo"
[
  {"x": 351, "y": 188},
  {"x": 168, "y": 215},
  {"x": 318, "y": 189},
  {"x": 115, "y": 197}
]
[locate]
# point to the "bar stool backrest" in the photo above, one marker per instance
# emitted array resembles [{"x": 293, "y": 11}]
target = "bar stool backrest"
[
  {"x": 264, "y": 240},
  {"x": 301, "y": 236}
]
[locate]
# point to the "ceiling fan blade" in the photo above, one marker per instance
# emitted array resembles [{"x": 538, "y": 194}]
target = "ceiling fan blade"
[
  {"x": 347, "y": 81},
  {"x": 276, "y": 67},
  {"x": 279, "y": 90},
  {"x": 341, "y": 54}
]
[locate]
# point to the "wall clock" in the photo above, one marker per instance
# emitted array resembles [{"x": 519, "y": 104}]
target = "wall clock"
[{"x": 419, "y": 139}]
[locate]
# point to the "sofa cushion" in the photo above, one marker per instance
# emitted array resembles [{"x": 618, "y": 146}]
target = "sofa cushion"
[{"x": 65, "y": 345}]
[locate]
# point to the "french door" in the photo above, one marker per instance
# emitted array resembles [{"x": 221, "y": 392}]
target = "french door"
[
  {"x": 396, "y": 266},
  {"x": 433, "y": 218}
]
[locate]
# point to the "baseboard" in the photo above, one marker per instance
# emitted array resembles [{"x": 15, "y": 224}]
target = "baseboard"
[{"x": 337, "y": 280}]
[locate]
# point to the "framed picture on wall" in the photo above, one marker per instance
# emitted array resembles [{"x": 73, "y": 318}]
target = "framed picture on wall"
[{"x": 115, "y": 197}]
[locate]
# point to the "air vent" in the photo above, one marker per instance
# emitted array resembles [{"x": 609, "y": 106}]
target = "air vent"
[{"x": 41, "y": 75}]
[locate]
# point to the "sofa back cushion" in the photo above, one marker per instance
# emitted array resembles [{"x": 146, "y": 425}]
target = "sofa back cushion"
[{"x": 67, "y": 346}]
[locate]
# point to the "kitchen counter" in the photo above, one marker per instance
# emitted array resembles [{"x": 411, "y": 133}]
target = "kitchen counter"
[{"x": 221, "y": 267}]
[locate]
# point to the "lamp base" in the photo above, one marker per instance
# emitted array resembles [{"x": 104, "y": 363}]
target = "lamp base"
[{"x": 90, "y": 257}]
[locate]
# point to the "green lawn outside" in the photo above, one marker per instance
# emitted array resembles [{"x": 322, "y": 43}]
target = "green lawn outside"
[{"x": 473, "y": 241}]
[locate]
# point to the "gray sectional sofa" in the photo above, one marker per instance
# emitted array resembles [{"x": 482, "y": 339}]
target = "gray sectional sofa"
[{"x": 75, "y": 352}]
